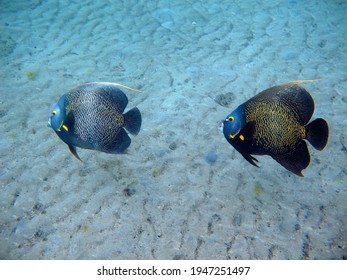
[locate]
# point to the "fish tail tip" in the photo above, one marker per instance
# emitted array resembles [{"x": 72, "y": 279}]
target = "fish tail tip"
[
  {"x": 318, "y": 133},
  {"x": 133, "y": 121}
]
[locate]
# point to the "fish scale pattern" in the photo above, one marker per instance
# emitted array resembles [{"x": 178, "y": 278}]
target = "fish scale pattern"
[
  {"x": 276, "y": 129},
  {"x": 96, "y": 121}
]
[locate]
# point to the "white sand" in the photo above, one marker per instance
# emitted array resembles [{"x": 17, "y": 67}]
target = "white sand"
[{"x": 157, "y": 202}]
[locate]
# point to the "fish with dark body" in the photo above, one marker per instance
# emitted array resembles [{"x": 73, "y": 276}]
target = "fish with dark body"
[
  {"x": 90, "y": 116},
  {"x": 275, "y": 122}
]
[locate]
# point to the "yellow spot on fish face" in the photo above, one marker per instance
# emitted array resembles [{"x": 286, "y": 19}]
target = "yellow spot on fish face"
[
  {"x": 62, "y": 125},
  {"x": 242, "y": 138}
]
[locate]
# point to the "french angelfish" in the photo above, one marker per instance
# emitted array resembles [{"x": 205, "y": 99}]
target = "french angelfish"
[
  {"x": 275, "y": 122},
  {"x": 90, "y": 116}
]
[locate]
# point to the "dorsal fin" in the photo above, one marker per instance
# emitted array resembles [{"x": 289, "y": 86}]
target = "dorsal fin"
[
  {"x": 298, "y": 82},
  {"x": 107, "y": 83},
  {"x": 297, "y": 98}
]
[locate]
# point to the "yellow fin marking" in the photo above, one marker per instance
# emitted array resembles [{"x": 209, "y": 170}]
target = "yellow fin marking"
[
  {"x": 59, "y": 128},
  {"x": 110, "y": 83},
  {"x": 242, "y": 138},
  {"x": 300, "y": 81},
  {"x": 129, "y": 88}
]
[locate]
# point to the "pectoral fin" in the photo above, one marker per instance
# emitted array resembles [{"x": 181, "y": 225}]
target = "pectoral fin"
[{"x": 250, "y": 159}]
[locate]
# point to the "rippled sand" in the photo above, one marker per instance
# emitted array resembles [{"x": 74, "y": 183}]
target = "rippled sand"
[{"x": 165, "y": 199}]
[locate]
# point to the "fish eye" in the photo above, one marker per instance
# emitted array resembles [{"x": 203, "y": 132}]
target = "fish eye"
[
  {"x": 54, "y": 113},
  {"x": 231, "y": 119}
]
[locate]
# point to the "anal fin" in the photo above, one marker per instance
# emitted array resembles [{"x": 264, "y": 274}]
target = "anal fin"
[
  {"x": 295, "y": 161},
  {"x": 120, "y": 144}
]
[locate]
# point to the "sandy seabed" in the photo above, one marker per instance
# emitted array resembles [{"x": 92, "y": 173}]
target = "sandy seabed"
[{"x": 181, "y": 191}]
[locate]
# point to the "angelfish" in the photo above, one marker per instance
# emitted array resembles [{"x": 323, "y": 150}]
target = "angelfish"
[
  {"x": 275, "y": 122},
  {"x": 91, "y": 116}
]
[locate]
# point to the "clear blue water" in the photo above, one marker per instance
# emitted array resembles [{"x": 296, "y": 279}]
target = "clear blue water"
[{"x": 181, "y": 191}]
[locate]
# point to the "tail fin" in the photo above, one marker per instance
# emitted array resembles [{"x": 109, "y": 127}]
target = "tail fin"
[
  {"x": 133, "y": 121},
  {"x": 318, "y": 133}
]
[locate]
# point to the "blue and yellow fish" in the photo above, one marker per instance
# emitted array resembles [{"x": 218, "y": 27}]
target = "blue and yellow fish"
[
  {"x": 275, "y": 122},
  {"x": 90, "y": 116}
]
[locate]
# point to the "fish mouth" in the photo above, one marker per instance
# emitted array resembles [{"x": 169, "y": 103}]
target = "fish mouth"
[
  {"x": 49, "y": 124},
  {"x": 221, "y": 126}
]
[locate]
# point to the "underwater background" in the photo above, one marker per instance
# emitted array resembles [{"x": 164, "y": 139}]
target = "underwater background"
[{"x": 181, "y": 191}]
